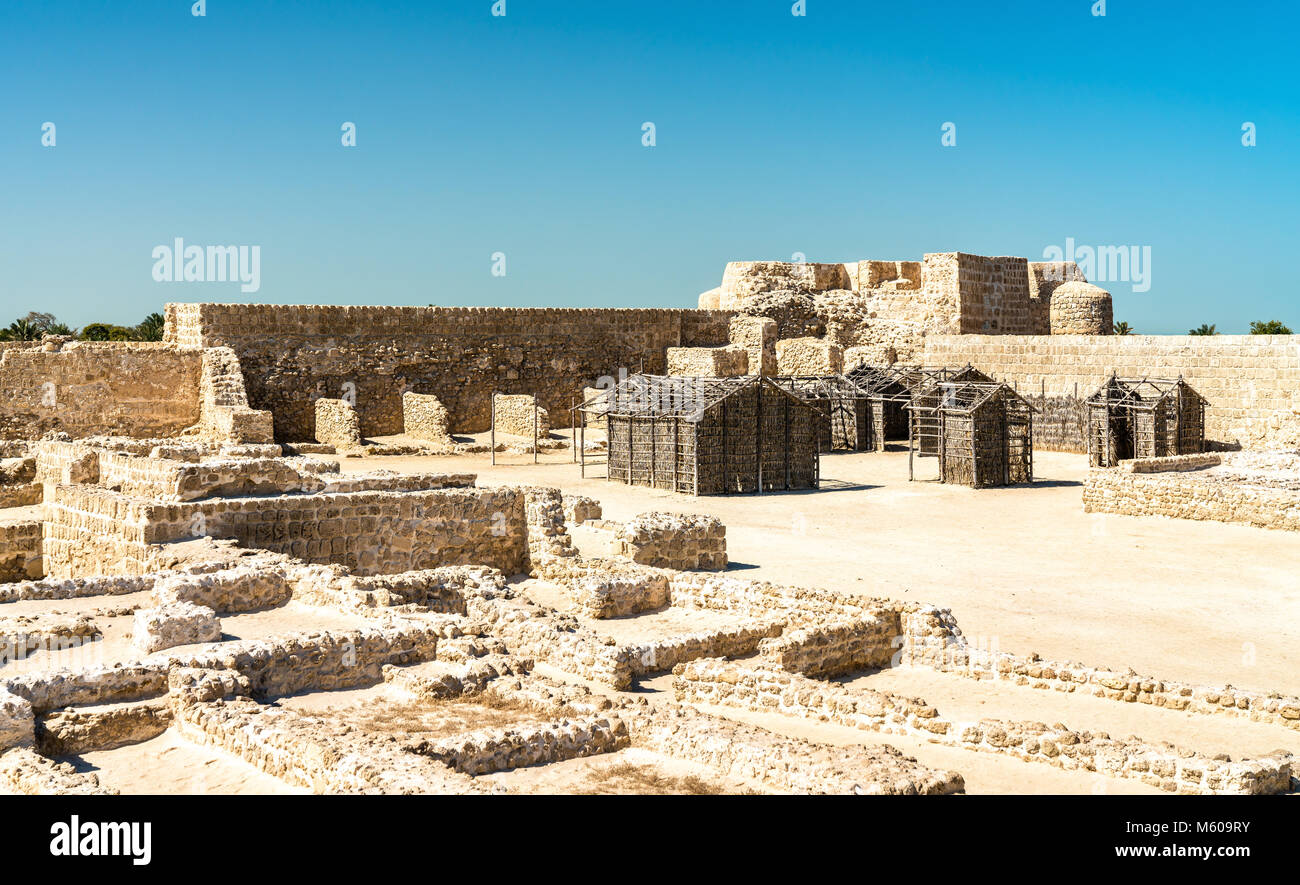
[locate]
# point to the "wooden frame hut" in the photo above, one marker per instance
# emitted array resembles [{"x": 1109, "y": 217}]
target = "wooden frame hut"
[
  {"x": 890, "y": 389},
  {"x": 886, "y": 397},
  {"x": 982, "y": 433},
  {"x": 846, "y": 412},
  {"x": 709, "y": 436},
  {"x": 1144, "y": 418}
]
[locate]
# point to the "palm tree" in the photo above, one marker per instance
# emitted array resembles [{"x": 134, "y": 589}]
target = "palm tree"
[
  {"x": 151, "y": 329},
  {"x": 23, "y": 330},
  {"x": 1203, "y": 329},
  {"x": 1269, "y": 327},
  {"x": 1123, "y": 329}
]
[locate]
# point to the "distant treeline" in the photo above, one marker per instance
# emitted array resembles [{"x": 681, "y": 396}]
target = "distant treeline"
[{"x": 37, "y": 325}]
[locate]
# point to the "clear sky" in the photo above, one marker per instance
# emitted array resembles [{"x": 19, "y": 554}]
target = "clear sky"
[{"x": 522, "y": 134}]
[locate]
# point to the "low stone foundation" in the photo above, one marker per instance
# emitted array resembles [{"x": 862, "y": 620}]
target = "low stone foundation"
[
  {"x": 1180, "y": 488},
  {"x": 671, "y": 540},
  {"x": 1168, "y": 768}
]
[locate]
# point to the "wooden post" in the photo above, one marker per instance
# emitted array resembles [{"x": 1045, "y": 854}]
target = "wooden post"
[
  {"x": 758, "y": 433},
  {"x": 787, "y": 444},
  {"x": 653, "y": 426},
  {"x": 725, "y": 489}
]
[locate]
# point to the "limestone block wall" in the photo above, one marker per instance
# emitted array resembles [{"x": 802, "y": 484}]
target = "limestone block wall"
[
  {"x": 337, "y": 423},
  {"x": 85, "y": 388},
  {"x": 757, "y": 335},
  {"x": 91, "y": 531},
  {"x": 516, "y": 415},
  {"x": 1189, "y": 495},
  {"x": 809, "y": 356},
  {"x": 708, "y": 362},
  {"x": 874, "y": 274},
  {"x": 1249, "y": 380},
  {"x": 223, "y": 403},
  {"x": 742, "y": 280},
  {"x": 425, "y": 417},
  {"x": 293, "y": 354},
  {"x": 20, "y": 550},
  {"x": 165, "y": 479},
  {"x": 671, "y": 540}
]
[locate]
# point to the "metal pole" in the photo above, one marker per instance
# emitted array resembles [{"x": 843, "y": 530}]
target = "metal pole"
[
  {"x": 493, "y": 444},
  {"x": 534, "y": 428}
]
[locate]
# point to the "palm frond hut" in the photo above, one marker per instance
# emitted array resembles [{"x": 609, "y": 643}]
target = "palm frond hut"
[
  {"x": 710, "y": 436},
  {"x": 891, "y": 388},
  {"x": 1144, "y": 418},
  {"x": 846, "y": 411},
  {"x": 981, "y": 432}
]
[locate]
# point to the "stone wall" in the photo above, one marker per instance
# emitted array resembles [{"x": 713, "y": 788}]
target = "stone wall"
[
  {"x": 809, "y": 356},
  {"x": 86, "y": 388},
  {"x": 337, "y": 424},
  {"x": 92, "y": 531},
  {"x": 293, "y": 354},
  {"x": 425, "y": 418},
  {"x": 931, "y": 638},
  {"x": 223, "y": 402},
  {"x": 20, "y": 550},
  {"x": 708, "y": 362},
  {"x": 772, "y": 690},
  {"x": 521, "y": 415},
  {"x": 1249, "y": 380},
  {"x": 1183, "y": 494},
  {"x": 671, "y": 540},
  {"x": 757, "y": 335}
]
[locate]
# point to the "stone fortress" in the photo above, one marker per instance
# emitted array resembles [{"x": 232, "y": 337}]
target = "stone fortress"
[{"x": 184, "y": 557}]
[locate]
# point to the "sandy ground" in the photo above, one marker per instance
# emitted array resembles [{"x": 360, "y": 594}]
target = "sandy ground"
[
  {"x": 633, "y": 771},
  {"x": 171, "y": 765},
  {"x": 1024, "y": 569}
]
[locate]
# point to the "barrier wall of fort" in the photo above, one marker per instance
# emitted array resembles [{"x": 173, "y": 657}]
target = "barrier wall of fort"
[
  {"x": 293, "y": 354},
  {"x": 1251, "y": 381},
  {"x": 84, "y": 388}
]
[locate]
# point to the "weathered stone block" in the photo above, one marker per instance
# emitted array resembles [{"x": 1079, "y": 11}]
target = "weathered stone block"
[
  {"x": 337, "y": 424},
  {"x": 173, "y": 624}
]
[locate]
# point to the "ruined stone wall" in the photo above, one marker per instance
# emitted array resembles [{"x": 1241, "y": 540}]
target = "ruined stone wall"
[
  {"x": 20, "y": 550},
  {"x": 672, "y": 540},
  {"x": 292, "y": 354},
  {"x": 1250, "y": 380},
  {"x": 92, "y": 531},
  {"x": 86, "y": 388},
  {"x": 708, "y": 362},
  {"x": 1189, "y": 495},
  {"x": 769, "y": 689}
]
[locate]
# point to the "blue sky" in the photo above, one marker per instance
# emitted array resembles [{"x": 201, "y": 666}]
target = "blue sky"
[{"x": 776, "y": 134}]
